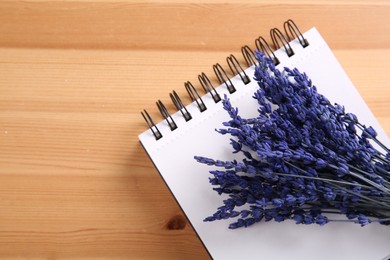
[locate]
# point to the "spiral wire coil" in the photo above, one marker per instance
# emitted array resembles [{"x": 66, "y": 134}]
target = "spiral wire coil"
[{"x": 279, "y": 40}]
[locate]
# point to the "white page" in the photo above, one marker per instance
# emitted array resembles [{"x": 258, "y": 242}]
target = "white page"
[{"x": 188, "y": 180}]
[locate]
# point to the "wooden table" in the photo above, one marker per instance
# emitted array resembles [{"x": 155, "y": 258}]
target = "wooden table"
[{"x": 74, "y": 76}]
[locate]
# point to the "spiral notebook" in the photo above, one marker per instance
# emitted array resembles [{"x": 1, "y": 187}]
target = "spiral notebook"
[{"x": 172, "y": 144}]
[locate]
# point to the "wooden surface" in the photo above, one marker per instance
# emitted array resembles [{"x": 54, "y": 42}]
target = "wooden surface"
[{"x": 74, "y": 75}]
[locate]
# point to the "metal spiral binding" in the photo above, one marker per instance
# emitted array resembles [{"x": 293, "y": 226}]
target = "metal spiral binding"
[
  {"x": 164, "y": 112},
  {"x": 249, "y": 55},
  {"x": 180, "y": 106},
  {"x": 208, "y": 87},
  {"x": 152, "y": 126},
  {"x": 236, "y": 68},
  {"x": 193, "y": 93},
  {"x": 291, "y": 30},
  {"x": 277, "y": 34},
  {"x": 223, "y": 78},
  {"x": 262, "y": 45},
  {"x": 279, "y": 40}
]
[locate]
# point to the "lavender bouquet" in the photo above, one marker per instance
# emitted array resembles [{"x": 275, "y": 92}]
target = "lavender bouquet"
[{"x": 305, "y": 159}]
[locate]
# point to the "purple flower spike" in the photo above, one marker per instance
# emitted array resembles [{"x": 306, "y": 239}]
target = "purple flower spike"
[{"x": 304, "y": 158}]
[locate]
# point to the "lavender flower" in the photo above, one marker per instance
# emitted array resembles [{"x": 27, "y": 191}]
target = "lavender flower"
[{"x": 305, "y": 160}]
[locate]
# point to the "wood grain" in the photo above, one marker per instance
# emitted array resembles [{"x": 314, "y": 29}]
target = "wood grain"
[
  {"x": 74, "y": 180},
  {"x": 179, "y": 25}
]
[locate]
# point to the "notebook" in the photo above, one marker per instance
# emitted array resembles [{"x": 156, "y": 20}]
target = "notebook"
[{"x": 173, "y": 151}]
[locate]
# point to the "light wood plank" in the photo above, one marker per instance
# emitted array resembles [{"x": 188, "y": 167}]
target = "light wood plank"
[{"x": 201, "y": 26}]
